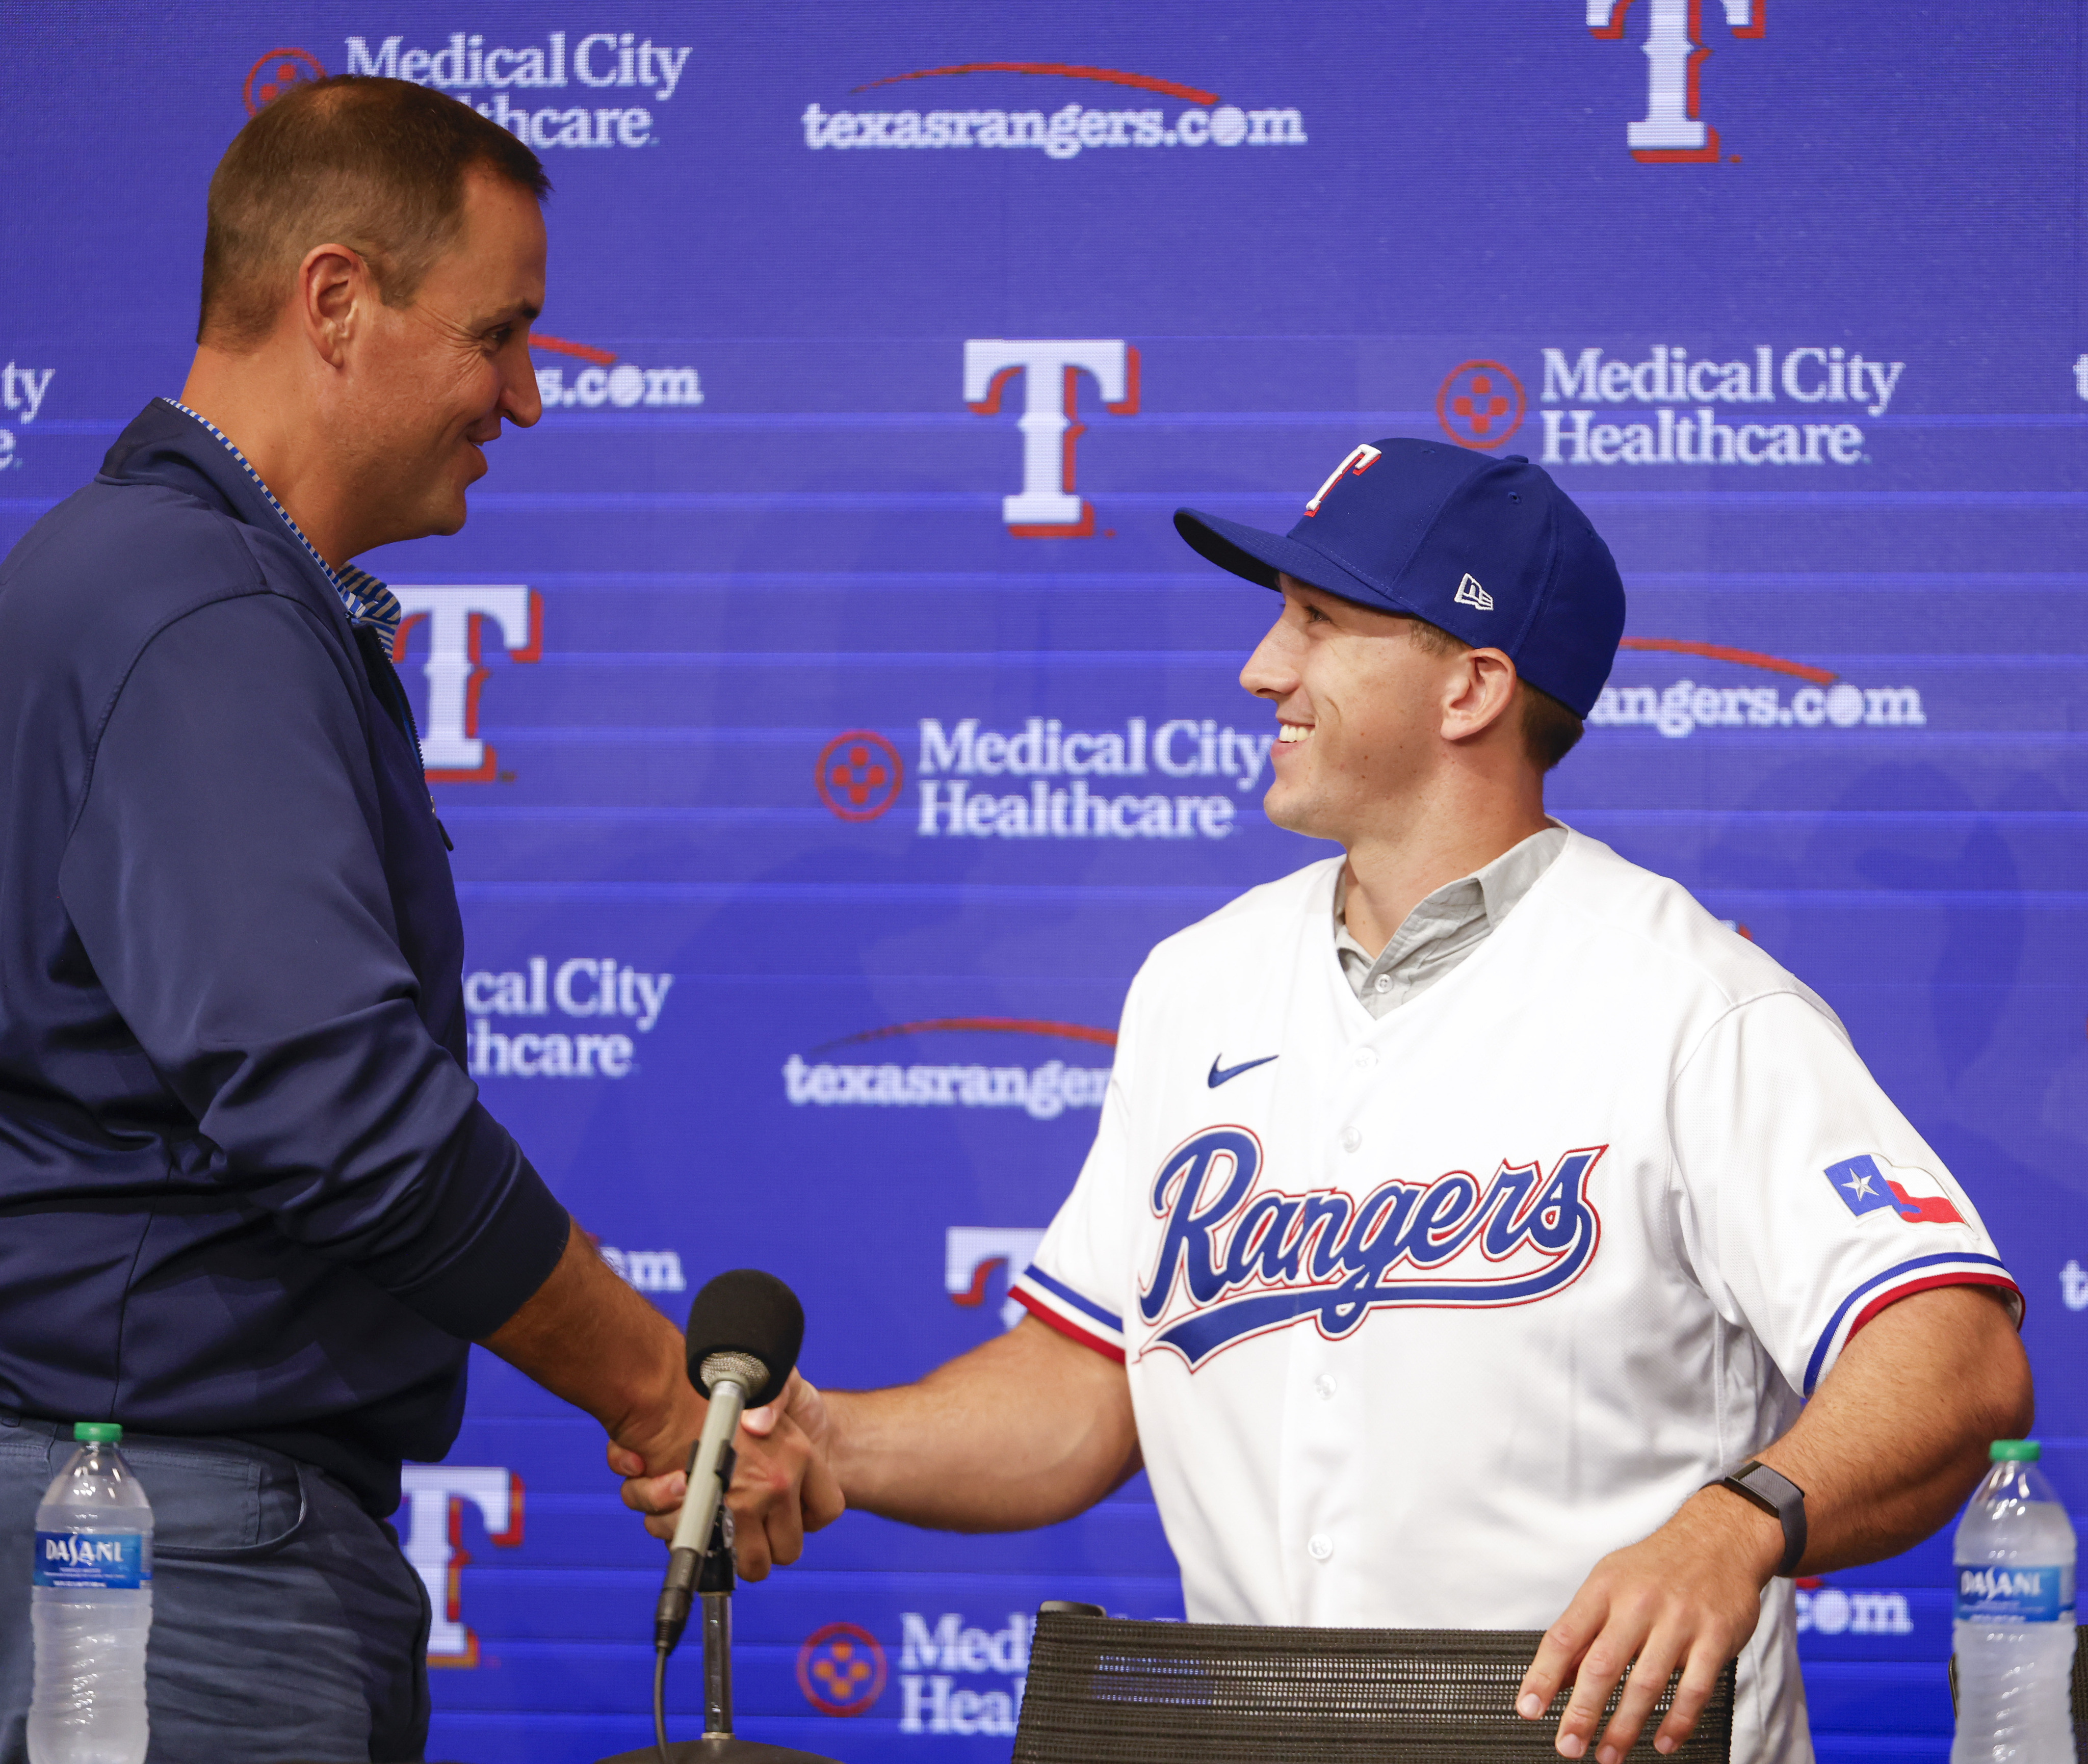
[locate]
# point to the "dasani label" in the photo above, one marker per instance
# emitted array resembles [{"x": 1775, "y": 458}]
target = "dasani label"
[
  {"x": 71, "y": 1559},
  {"x": 2015, "y": 1594}
]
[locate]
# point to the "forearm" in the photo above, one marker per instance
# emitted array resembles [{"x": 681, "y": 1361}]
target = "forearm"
[
  {"x": 1893, "y": 1441},
  {"x": 1028, "y": 1429},
  {"x": 588, "y": 1338},
  {"x": 1897, "y": 1435}
]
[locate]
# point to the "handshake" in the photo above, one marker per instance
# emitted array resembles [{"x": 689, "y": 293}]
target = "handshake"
[
  {"x": 1026, "y": 1430},
  {"x": 745, "y": 1329}
]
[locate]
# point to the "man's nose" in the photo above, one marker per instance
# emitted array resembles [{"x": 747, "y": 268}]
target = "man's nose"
[
  {"x": 1270, "y": 673},
  {"x": 520, "y": 401}
]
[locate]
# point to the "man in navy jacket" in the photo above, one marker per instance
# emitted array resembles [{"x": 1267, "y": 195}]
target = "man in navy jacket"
[{"x": 250, "y": 1204}]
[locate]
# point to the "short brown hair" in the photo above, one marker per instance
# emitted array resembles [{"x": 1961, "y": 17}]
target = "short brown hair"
[
  {"x": 375, "y": 165},
  {"x": 1549, "y": 729}
]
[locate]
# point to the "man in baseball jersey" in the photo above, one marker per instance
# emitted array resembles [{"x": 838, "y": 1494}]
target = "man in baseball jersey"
[{"x": 1472, "y": 1216}]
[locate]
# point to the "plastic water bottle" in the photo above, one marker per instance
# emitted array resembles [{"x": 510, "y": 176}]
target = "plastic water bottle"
[
  {"x": 2014, "y": 1634},
  {"x": 91, "y": 1605}
]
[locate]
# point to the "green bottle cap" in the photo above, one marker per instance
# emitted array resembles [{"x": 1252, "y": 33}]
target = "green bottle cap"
[
  {"x": 97, "y": 1432},
  {"x": 2013, "y": 1451}
]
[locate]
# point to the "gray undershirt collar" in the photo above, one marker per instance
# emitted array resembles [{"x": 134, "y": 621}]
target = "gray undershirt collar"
[{"x": 1445, "y": 928}]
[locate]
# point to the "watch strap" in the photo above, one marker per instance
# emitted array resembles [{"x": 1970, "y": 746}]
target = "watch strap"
[{"x": 1776, "y": 1494}]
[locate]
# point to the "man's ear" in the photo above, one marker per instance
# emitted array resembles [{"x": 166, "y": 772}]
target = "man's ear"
[
  {"x": 1479, "y": 694},
  {"x": 333, "y": 290}
]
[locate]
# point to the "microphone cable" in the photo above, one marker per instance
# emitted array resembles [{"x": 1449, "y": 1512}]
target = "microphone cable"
[{"x": 659, "y": 1652}]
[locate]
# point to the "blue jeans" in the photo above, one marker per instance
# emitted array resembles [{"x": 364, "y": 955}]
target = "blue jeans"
[{"x": 286, "y": 1624}]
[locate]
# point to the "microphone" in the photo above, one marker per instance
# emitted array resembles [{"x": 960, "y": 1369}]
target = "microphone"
[{"x": 745, "y": 1329}]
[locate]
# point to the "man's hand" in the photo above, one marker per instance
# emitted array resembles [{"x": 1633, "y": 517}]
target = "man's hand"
[
  {"x": 1893, "y": 1440},
  {"x": 782, "y": 1486},
  {"x": 1026, "y": 1430},
  {"x": 1689, "y": 1595}
]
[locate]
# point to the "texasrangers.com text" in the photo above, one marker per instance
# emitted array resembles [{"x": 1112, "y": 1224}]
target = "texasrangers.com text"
[
  {"x": 1677, "y": 710},
  {"x": 1043, "y": 1094},
  {"x": 1063, "y": 134}
]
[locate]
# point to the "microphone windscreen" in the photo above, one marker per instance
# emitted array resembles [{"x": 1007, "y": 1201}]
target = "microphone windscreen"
[{"x": 747, "y": 1312}]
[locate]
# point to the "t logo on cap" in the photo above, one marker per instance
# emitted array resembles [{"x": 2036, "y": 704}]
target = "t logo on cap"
[{"x": 1362, "y": 456}]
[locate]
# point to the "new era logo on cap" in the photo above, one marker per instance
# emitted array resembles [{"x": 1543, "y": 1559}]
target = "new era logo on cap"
[{"x": 1490, "y": 550}]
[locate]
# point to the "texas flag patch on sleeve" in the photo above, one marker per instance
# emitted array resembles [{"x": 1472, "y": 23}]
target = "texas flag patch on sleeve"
[{"x": 1867, "y": 1183}]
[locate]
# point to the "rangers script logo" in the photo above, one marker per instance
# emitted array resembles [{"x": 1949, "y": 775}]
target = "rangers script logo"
[{"x": 1234, "y": 1263}]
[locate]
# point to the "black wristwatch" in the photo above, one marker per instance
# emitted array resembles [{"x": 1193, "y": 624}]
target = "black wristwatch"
[{"x": 1776, "y": 1495}]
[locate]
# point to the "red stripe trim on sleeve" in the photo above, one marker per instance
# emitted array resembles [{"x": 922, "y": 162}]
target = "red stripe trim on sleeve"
[
  {"x": 1044, "y": 1314},
  {"x": 1885, "y": 1300}
]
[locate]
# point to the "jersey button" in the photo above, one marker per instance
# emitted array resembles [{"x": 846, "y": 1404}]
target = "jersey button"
[
  {"x": 1365, "y": 1058},
  {"x": 1320, "y": 1546},
  {"x": 1351, "y": 1139},
  {"x": 1323, "y": 1386},
  {"x": 1384, "y": 982}
]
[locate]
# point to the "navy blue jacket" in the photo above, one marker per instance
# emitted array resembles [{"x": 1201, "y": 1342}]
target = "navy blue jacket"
[{"x": 245, "y": 1185}]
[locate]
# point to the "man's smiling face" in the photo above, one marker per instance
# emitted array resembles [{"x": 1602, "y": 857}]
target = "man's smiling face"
[
  {"x": 445, "y": 370},
  {"x": 1359, "y": 705}
]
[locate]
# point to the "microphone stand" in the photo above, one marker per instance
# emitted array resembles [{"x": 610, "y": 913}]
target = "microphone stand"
[
  {"x": 720, "y": 1744},
  {"x": 745, "y": 1329},
  {"x": 714, "y": 1587}
]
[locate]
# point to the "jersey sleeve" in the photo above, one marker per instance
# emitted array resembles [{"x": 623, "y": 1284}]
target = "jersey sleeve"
[
  {"x": 1809, "y": 1202},
  {"x": 1079, "y": 1281}
]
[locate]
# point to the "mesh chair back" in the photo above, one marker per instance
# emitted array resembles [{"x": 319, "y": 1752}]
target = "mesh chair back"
[{"x": 1106, "y": 1690}]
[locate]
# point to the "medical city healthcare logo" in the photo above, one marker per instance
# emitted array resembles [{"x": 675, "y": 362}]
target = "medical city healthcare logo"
[
  {"x": 1479, "y": 404},
  {"x": 840, "y": 1669},
  {"x": 600, "y": 987},
  {"x": 954, "y": 1677},
  {"x": 1673, "y": 130},
  {"x": 1070, "y": 784},
  {"x": 279, "y": 71},
  {"x": 1069, "y": 129},
  {"x": 1675, "y": 406},
  {"x": 21, "y": 393},
  {"x": 618, "y": 66},
  {"x": 858, "y": 774}
]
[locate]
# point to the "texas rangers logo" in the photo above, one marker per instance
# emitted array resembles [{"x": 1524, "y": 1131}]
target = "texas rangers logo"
[{"x": 1235, "y": 1263}]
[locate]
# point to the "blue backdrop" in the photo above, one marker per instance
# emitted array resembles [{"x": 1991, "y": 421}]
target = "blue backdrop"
[{"x": 829, "y": 718}]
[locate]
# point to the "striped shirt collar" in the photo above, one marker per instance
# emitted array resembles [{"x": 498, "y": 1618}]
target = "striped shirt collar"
[{"x": 366, "y": 601}]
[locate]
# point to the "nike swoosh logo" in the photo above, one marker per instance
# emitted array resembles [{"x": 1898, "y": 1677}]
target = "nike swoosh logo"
[{"x": 1219, "y": 1077}]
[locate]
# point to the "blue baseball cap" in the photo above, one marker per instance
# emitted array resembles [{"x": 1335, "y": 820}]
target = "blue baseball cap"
[{"x": 1491, "y": 550}]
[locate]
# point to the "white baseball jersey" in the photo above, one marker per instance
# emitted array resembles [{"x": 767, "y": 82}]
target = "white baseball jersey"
[{"x": 1423, "y": 1315}]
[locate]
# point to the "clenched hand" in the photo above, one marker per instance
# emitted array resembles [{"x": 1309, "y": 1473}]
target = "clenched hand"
[{"x": 782, "y": 1486}]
